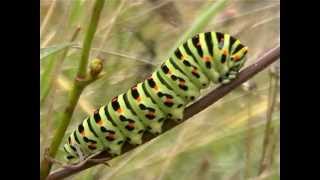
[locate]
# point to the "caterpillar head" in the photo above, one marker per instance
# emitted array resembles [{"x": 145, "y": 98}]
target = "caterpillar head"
[{"x": 238, "y": 59}]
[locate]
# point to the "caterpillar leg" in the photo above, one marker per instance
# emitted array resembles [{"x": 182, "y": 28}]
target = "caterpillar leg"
[
  {"x": 91, "y": 159},
  {"x": 84, "y": 160},
  {"x": 80, "y": 153},
  {"x": 107, "y": 131}
]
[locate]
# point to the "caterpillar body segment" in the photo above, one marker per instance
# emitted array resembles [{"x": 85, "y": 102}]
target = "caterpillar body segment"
[
  {"x": 179, "y": 82},
  {"x": 183, "y": 61},
  {"x": 107, "y": 132},
  {"x": 146, "y": 109},
  {"x": 168, "y": 101},
  {"x": 126, "y": 120}
]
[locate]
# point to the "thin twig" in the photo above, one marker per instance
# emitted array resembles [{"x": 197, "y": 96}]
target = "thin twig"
[
  {"x": 269, "y": 130},
  {"x": 273, "y": 147},
  {"x": 249, "y": 136},
  {"x": 262, "y": 62},
  {"x": 119, "y": 54}
]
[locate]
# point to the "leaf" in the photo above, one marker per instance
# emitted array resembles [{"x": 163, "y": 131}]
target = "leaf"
[{"x": 45, "y": 52}]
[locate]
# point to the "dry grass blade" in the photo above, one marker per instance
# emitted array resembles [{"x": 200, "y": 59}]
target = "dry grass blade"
[
  {"x": 168, "y": 11},
  {"x": 269, "y": 130},
  {"x": 110, "y": 24},
  {"x": 171, "y": 155},
  {"x": 248, "y": 13},
  {"x": 47, "y": 17}
]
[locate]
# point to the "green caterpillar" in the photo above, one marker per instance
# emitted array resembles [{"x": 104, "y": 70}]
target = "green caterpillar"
[{"x": 207, "y": 57}]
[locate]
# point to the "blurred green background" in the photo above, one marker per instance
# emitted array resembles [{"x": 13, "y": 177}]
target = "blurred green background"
[{"x": 226, "y": 141}]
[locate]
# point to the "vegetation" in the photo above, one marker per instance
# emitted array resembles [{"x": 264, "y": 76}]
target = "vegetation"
[{"x": 236, "y": 138}]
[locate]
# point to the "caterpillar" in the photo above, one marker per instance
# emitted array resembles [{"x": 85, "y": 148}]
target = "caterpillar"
[{"x": 207, "y": 57}]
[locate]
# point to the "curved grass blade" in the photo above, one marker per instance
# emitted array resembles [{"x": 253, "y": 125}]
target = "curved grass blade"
[{"x": 48, "y": 51}]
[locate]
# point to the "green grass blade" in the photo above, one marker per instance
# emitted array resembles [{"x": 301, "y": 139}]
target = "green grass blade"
[
  {"x": 76, "y": 11},
  {"x": 200, "y": 22},
  {"x": 46, "y": 76},
  {"x": 48, "y": 51}
]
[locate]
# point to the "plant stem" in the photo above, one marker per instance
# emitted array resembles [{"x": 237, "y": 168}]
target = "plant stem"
[
  {"x": 76, "y": 90},
  {"x": 249, "y": 136},
  {"x": 273, "y": 148},
  {"x": 64, "y": 122},
  {"x": 269, "y": 130},
  {"x": 201, "y": 104},
  {"x": 89, "y": 37}
]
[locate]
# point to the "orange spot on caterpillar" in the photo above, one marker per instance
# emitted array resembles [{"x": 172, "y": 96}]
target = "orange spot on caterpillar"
[
  {"x": 100, "y": 123},
  {"x": 225, "y": 52},
  {"x": 236, "y": 58},
  {"x": 138, "y": 99},
  {"x": 119, "y": 110},
  {"x": 206, "y": 58},
  {"x": 156, "y": 88}
]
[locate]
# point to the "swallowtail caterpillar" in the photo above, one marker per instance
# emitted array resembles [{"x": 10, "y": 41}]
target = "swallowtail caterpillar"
[{"x": 207, "y": 57}]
